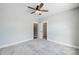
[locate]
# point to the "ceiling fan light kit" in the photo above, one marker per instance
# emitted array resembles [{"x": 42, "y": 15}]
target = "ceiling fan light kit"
[{"x": 38, "y": 12}]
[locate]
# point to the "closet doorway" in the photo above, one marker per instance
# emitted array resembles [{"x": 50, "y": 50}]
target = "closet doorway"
[
  {"x": 45, "y": 31},
  {"x": 35, "y": 30}
]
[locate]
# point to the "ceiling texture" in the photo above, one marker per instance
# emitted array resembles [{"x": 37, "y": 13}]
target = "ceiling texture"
[{"x": 53, "y": 8}]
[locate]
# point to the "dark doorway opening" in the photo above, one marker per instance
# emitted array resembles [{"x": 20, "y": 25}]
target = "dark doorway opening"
[
  {"x": 45, "y": 31},
  {"x": 35, "y": 30}
]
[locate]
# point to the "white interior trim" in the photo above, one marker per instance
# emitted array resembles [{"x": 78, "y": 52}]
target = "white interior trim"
[
  {"x": 65, "y": 44},
  {"x": 14, "y": 43}
]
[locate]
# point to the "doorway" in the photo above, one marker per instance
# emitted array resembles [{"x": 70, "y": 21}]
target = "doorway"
[
  {"x": 35, "y": 30},
  {"x": 45, "y": 30}
]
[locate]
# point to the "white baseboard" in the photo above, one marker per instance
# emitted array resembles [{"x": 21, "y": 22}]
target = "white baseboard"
[
  {"x": 14, "y": 43},
  {"x": 65, "y": 44}
]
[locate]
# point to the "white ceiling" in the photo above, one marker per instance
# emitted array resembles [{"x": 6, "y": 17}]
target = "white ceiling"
[{"x": 53, "y": 8}]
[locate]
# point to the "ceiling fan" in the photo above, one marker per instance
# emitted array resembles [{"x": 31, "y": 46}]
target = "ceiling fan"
[{"x": 38, "y": 9}]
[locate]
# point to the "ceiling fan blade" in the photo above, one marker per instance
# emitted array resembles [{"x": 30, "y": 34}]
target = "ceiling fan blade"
[
  {"x": 41, "y": 5},
  {"x": 32, "y": 12},
  {"x": 44, "y": 10},
  {"x": 31, "y": 7}
]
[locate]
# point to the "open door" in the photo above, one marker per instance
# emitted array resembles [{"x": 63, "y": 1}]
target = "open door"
[
  {"x": 35, "y": 30},
  {"x": 45, "y": 30}
]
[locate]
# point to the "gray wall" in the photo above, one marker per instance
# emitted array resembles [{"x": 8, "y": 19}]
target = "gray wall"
[
  {"x": 15, "y": 24},
  {"x": 63, "y": 27}
]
